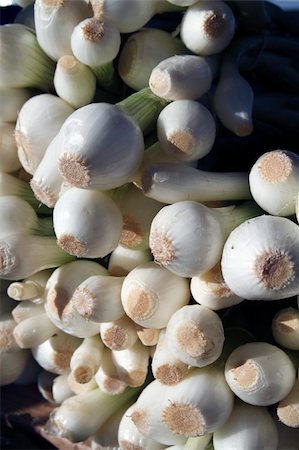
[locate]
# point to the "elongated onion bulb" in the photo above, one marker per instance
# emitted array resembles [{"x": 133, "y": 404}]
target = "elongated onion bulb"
[
  {"x": 260, "y": 258},
  {"x": 98, "y": 234},
  {"x": 150, "y": 294},
  {"x": 274, "y": 182},
  {"x": 288, "y": 407},
  {"x": 260, "y": 373},
  {"x": 182, "y": 77},
  {"x": 207, "y": 27}
]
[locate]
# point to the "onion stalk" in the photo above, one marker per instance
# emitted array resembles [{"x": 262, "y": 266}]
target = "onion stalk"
[{"x": 19, "y": 43}]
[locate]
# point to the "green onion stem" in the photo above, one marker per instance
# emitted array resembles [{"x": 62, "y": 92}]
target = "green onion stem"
[
  {"x": 144, "y": 107},
  {"x": 107, "y": 78}
]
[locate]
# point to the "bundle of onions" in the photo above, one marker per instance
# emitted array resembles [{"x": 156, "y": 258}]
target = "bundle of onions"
[
  {"x": 19, "y": 43},
  {"x": 39, "y": 120},
  {"x": 98, "y": 234},
  {"x": 150, "y": 294},
  {"x": 260, "y": 258},
  {"x": 274, "y": 182},
  {"x": 187, "y": 129},
  {"x": 193, "y": 250},
  {"x": 54, "y": 23},
  {"x": 207, "y": 27},
  {"x": 260, "y": 373},
  {"x": 183, "y": 77}
]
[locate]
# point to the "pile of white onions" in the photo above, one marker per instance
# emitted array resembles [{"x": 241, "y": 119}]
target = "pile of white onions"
[{"x": 118, "y": 255}]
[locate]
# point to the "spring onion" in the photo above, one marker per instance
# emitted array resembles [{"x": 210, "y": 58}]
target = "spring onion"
[
  {"x": 39, "y": 120},
  {"x": 130, "y": 437},
  {"x": 9, "y": 161},
  {"x": 119, "y": 334},
  {"x": 18, "y": 216},
  {"x": 141, "y": 53},
  {"x": 209, "y": 289},
  {"x": 122, "y": 260},
  {"x": 30, "y": 288},
  {"x": 60, "y": 388},
  {"x": 34, "y": 331},
  {"x": 136, "y": 226},
  {"x": 193, "y": 250},
  {"x": 259, "y": 259},
  {"x": 288, "y": 407},
  {"x": 260, "y": 373},
  {"x": 195, "y": 335},
  {"x": 12, "y": 99},
  {"x": 237, "y": 432},
  {"x": 285, "y": 328},
  {"x": 8, "y": 342},
  {"x": 54, "y": 24},
  {"x": 182, "y": 77},
  {"x": 54, "y": 354},
  {"x": 132, "y": 364},
  {"x": 207, "y": 27},
  {"x": 107, "y": 377},
  {"x": 25, "y": 310},
  {"x": 19, "y": 43},
  {"x": 86, "y": 359},
  {"x": 187, "y": 129},
  {"x": 166, "y": 367},
  {"x": 60, "y": 288},
  {"x": 74, "y": 82},
  {"x": 150, "y": 294},
  {"x": 171, "y": 182},
  {"x": 127, "y": 15},
  {"x": 22, "y": 255},
  {"x": 97, "y": 299},
  {"x": 274, "y": 181},
  {"x": 78, "y": 388},
  {"x": 148, "y": 336},
  {"x": 80, "y": 416},
  {"x": 11, "y": 185},
  {"x": 98, "y": 234}
]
